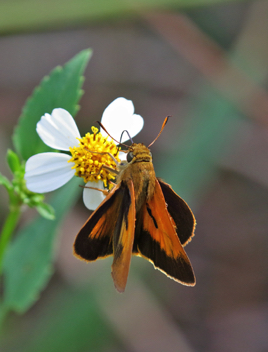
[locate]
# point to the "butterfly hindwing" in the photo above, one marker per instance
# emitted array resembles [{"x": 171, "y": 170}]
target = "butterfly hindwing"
[
  {"x": 124, "y": 237},
  {"x": 157, "y": 240},
  {"x": 180, "y": 213},
  {"x": 95, "y": 239}
]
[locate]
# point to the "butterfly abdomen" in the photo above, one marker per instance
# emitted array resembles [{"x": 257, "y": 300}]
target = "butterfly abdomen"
[{"x": 143, "y": 177}]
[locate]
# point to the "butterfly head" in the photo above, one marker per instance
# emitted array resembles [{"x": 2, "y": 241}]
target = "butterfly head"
[{"x": 138, "y": 153}]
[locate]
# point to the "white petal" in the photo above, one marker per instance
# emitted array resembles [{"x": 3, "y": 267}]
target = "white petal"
[
  {"x": 58, "y": 130},
  {"x": 119, "y": 116},
  {"x": 46, "y": 172},
  {"x": 122, "y": 156},
  {"x": 92, "y": 198}
]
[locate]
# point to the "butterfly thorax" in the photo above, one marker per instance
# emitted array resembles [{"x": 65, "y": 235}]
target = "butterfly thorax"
[{"x": 140, "y": 171}]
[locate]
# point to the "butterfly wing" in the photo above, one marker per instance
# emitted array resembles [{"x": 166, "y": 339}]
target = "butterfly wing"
[
  {"x": 95, "y": 239},
  {"x": 180, "y": 213},
  {"x": 156, "y": 239},
  {"x": 124, "y": 237},
  {"x": 110, "y": 230}
]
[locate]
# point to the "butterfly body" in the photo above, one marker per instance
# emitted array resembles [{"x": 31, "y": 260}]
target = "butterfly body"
[
  {"x": 141, "y": 216},
  {"x": 140, "y": 171}
]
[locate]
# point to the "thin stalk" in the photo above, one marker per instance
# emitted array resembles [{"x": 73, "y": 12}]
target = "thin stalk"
[{"x": 7, "y": 231}]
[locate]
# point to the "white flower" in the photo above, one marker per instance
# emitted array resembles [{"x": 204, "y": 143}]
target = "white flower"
[{"x": 46, "y": 172}]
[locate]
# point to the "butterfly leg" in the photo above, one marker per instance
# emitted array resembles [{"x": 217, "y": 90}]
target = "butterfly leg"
[
  {"x": 107, "y": 168},
  {"x": 104, "y": 191}
]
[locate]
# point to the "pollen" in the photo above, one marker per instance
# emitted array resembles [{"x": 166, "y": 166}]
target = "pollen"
[{"x": 88, "y": 160}]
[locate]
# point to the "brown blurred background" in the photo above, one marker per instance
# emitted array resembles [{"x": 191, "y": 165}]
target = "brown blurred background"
[{"x": 206, "y": 66}]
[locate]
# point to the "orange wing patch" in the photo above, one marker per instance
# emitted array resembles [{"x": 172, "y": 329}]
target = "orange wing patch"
[
  {"x": 180, "y": 212},
  {"x": 157, "y": 240}
]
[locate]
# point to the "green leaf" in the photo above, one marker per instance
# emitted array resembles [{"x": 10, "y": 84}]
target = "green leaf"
[
  {"x": 61, "y": 89},
  {"x": 13, "y": 161},
  {"x": 46, "y": 211},
  {"x": 28, "y": 264}
]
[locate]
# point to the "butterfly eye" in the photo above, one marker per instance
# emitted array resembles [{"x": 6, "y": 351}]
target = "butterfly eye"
[{"x": 130, "y": 156}]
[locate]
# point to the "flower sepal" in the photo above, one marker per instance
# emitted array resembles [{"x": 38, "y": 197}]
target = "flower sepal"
[
  {"x": 13, "y": 161},
  {"x": 19, "y": 194},
  {"x": 46, "y": 211},
  {"x": 33, "y": 200}
]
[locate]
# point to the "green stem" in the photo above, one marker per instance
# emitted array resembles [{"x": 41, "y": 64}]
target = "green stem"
[{"x": 7, "y": 231}]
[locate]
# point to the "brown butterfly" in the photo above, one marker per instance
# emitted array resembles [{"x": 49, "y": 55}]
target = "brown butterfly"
[{"x": 141, "y": 216}]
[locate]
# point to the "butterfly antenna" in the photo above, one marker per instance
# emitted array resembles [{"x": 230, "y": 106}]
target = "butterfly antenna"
[
  {"x": 104, "y": 129},
  {"x": 128, "y": 136},
  {"x": 164, "y": 124}
]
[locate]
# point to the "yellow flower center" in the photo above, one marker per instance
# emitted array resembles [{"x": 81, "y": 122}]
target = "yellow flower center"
[{"x": 88, "y": 164}]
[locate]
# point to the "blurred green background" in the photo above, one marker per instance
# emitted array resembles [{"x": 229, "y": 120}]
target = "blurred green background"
[{"x": 203, "y": 62}]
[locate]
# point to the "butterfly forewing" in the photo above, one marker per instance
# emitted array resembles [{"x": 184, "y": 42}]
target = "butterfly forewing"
[
  {"x": 95, "y": 239},
  {"x": 110, "y": 230},
  {"x": 157, "y": 240}
]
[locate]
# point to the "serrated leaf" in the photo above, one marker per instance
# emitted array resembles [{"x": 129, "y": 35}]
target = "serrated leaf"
[
  {"x": 13, "y": 161},
  {"x": 61, "y": 89},
  {"x": 27, "y": 264}
]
